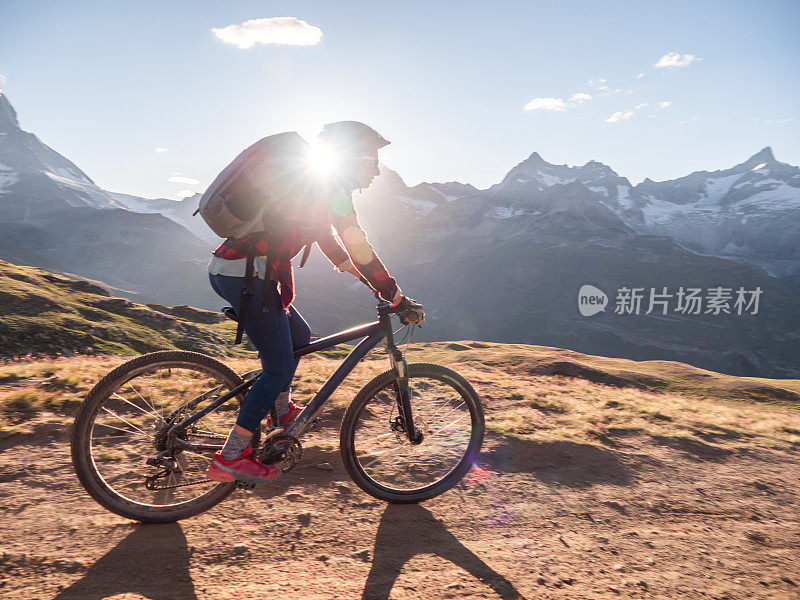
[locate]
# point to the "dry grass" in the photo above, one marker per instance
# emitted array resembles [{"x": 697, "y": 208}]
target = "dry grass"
[{"x": 684, "y": 403}]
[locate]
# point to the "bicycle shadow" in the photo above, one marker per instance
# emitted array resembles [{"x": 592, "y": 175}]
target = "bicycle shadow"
[
  {"x": 567, "y": 463},
  {"x": 406, "y": 530},
  {"x": 152, "y": 562}
]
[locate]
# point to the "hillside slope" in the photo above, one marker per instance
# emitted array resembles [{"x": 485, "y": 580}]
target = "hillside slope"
[{"x": 47, "y": 313}]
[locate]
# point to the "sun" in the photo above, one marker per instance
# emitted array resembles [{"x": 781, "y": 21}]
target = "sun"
[{"x": 322, "y": 161}]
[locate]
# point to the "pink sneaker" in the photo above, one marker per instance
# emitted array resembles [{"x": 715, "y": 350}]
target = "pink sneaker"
[
  {"x": 242, "y": 468},
  {"x": 290, "y": 416}
]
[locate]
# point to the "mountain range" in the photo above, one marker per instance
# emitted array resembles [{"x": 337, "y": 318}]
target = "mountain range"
[{"x": 502, "y": 264}]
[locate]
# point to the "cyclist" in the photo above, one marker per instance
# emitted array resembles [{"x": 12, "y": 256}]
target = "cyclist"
[{"x": 276, "y": 332}]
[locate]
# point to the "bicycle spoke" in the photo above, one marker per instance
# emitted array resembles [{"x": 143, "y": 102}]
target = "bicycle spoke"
[
  {"x": 145, "y": 401},
  {"x": 111, "y": 437},
  {"x": 449, "y": 412},
  {"x": 116, "y": 416},
  {"x": 116, "y": 395},
  {"x": 449, "y": 425},
  {"x": 140, "y": 432}
]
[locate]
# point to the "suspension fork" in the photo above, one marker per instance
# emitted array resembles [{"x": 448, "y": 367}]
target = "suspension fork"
[{"x": 400, "y": 383}]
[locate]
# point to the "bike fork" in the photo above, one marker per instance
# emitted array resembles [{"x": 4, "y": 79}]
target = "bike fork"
[{"x": 402, "y": 390}]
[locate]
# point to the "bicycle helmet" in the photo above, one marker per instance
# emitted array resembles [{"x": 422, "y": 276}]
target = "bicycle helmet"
[{"x": 352, "y": 134}]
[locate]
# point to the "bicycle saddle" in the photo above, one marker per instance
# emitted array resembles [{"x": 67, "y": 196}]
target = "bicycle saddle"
[{"x": 230, "y": 313}]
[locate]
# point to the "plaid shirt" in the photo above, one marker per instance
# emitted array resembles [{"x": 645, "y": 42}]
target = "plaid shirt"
[{"x": 344, "y": 222}]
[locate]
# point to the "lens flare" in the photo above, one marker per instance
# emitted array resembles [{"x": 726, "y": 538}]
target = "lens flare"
[
  {"x": 322, "y": 160},
  {"x": 502, "y": 512}
]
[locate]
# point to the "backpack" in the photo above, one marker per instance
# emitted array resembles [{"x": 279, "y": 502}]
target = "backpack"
[
  {"x": 265, "y": 188},
  {"x": 258, "y": 190}
]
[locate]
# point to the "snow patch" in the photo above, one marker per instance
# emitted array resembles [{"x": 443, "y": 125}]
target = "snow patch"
[
  {"x": 7, "y": 179},
  {"x": 783, "y": 197},
  {"x": 68, "y": 174},
  {"x": 445, "y": 196},
  {"x": 96, "y": 197},
  {"x": 423, "y": 206},
  {"x": 623, "y": 196},
  {"x": 599, "y": 190},
  {"x": 548, "y": 179},
  {"x": 505, "y": 212},
  {"x": 717, "y": 189}
]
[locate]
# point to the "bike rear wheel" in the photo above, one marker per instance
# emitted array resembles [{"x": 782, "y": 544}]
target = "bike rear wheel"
[
  {"x": 384, "y": 463},
  {"x": 124, "y": 420}
]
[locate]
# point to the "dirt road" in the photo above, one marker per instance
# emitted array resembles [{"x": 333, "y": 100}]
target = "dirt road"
[{"x": 637, "y": 517}]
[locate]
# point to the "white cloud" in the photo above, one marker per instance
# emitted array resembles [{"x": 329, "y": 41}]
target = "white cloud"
[
  {"x": 185, "y": 194},
  {"x": 160, "y": 150},
  {"x": 580, "y": 97},
  {"x": 2, "y": 78},
  {"x": 640, "y": 75},
  {"x": 619, "y": 116},
  {"x": 662, "y": 105},
  {"x": 779, "y": 121},
  {"x": 553, "y": 104},
  {"x": 601, "y": 85},
  {"x": 675, "y": 59},
  {"x": 626, "y": 114},
  {"x": 179, "y": 179},
  {"x": 558, "y": 104},
  {"x": 687, "y": 121},
  {"x": 288, "y": 31}
]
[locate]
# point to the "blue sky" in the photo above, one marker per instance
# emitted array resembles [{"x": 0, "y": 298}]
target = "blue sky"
[{"x": 106, "y": 83}]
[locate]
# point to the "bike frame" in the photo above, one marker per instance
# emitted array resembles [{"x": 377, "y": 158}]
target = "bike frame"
[{"x": 372, "y": 333}]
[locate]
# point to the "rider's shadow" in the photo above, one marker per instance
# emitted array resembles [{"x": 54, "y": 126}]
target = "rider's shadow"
[
  {"x": 152, "y": 562},
  {"x": 406, "y": 530}
]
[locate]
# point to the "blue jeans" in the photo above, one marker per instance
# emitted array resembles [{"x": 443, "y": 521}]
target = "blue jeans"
[{"x": 275, "y": 334}]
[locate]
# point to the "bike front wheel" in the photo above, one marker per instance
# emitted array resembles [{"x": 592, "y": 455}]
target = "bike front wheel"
[
  {"x": 124, "y": 422},
  {"x": 379, "y": 456}
]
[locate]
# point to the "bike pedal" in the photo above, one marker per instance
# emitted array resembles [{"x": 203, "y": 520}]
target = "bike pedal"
[{"x": 245, "y": 485}]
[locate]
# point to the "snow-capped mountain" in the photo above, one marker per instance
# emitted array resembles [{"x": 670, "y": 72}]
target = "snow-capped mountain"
[
  {"x": 35, "y": 178},
  {"x": 749, "y": 213},
  {"x": 54, "y": 216},
  {"x": 180, "y": 211},
  {"x": 503, "y": 264},
  {"x": 536, "y": 174}
]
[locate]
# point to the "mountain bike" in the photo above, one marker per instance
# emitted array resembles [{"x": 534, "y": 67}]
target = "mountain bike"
[{"x": 147, "y": 431}]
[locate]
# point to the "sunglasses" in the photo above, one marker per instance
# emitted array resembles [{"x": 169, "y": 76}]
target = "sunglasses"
[{"x": 372, "y": 161}]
